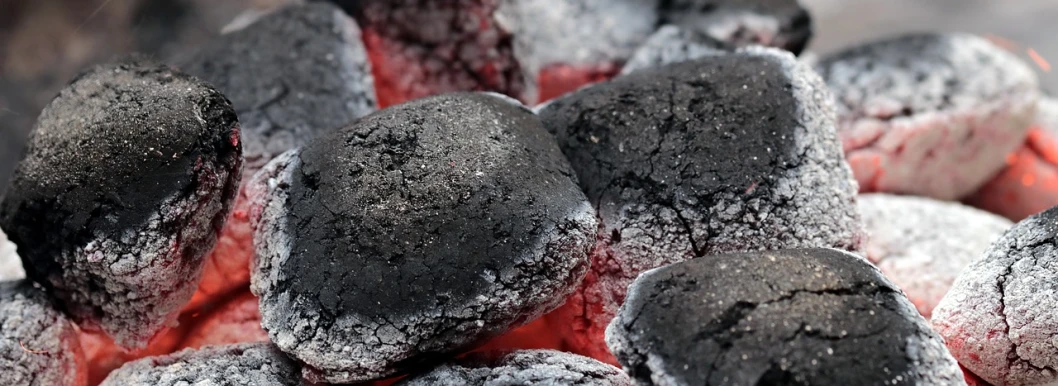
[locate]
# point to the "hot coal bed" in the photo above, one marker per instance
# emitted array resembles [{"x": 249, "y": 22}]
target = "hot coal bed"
[{"x": 531, "y": 192}]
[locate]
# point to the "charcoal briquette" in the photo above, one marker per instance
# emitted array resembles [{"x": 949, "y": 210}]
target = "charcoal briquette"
[
  {"x": 672, "y": 44},
  {"x": 38, "y": 345},
  {"x": 417, "y": 232},
  {"x": 524, "y": 367},
  {"x": 998, "y": 318},
  {"x": 129, "y": 174},
  {"x": 787, "y": 317},
  {"x": 722, "y": 154},
  {"x": 929, "y": 114},
  {"x": 783, "y": 24},
  {"x": 248, "y": 364}
]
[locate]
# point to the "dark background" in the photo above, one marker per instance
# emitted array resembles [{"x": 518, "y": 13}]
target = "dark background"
[{"x": 43, "y": 43}]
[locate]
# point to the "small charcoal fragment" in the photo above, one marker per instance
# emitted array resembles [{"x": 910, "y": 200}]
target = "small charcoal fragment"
[
  {"x": 128, "y": 177},
  {"x": 922, "y": 244},
  {"x": 672, "y": 44},
  {"x": 38, "y": 345},
  {"x": 10, "y": 263},
  {"x": 526, "y": 367},
  {"x": 248, "y": 364},
  {"x": 1029, "y": 183},
  {"x": 419, "y": 231},
  {"x": 789, "y": 317},
  {"x": 998, "y": 318},
  {"x": 929, "y": 114},
  {"x": 774, "y": 23},
  {"x": 237, "y": 321},
  {"x": 292, "y": 75},
  {"x": 723, "y": 154}
]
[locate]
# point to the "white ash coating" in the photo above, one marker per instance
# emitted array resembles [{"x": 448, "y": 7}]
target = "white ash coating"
[
  {"x": 523, "y": 367},
  {"x": 10, "y": 263},
  {"x": 247, "y": 364},
  {"x": 930, "y": 114},
  {"x": 999, "y": 317},
  {"x": 922, "y": 244},
  {"x": 672, "y": 44},
  {"x": 38, "y": 345}
]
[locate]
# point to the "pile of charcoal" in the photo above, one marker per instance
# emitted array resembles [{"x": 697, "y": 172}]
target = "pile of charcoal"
[{"x": 356, "y": 192}]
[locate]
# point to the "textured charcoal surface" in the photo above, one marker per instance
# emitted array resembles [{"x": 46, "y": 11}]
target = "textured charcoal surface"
[
  {"x": 38, "y": 345},
  {"x": 723, "y": 154},
  {"x": 129, "y": 174},
  {"x": 441, "y": 222},
  {"x": 929, "y": 114},
  {"x": 292, "y": 76},
  {"x": 790, "y": 317},
  {"x": 672, "y": 44},
  {"x": 922, "y": 244},
  {"x": 998, "y": 318},
  {"x": 248, "y": 364},
  {"x": 775, "y": 23},
  {"x": 525, "y": 367},
  {"x": 10, "y": 263}
]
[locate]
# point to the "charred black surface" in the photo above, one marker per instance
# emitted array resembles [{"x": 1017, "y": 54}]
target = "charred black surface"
[
  {"x": 777, "y": 23},
  {"x": 805, "y": 317},
  {"x": 246, "y": 364},
  {"x": 524, "y": 367},
  {"x": 417, "y": 231},
  {"x": 38, "y": 345},
  {"x": 292, "y": 76},
  {"x": 130, "y": 168}
]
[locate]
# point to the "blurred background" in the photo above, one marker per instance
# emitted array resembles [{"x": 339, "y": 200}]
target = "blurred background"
[{"x": 43, "y": 43}]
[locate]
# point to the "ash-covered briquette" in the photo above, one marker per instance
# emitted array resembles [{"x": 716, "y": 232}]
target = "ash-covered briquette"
[
  {"x": 788, "y": 317},
  {"x": 10, "y": 263},
  {"x": 722, "y": 154},
  {"x": 775, "y": 23},
  {"x": 998, "y": 318},
  {"x": 672, "y": 44},
  {"x": 248, "y": 364},
  {"x": 129, "y": 174},
  {"x": 38, "y": 345},
  {"x": 929, "y": 114},
  {"x": 1029, "y": 182},
  {"x": 417, "y": 232},
  {"x": 523, "y": 367},
  {"x": 922, "y": 244}
]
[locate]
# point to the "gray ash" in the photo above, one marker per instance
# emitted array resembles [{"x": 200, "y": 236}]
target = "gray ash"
[
  {"x": 129, "y": 174},
  {"x": 38, "y": 345},
  {"x": 790, "y": 317},
  {"x": 776, "y": 23},
  {"x": 672, "y": 44},
  {"x": 247, "y": 364},
  {"x": 524, "y": 367},
  {"x": 416, "y": 233}
]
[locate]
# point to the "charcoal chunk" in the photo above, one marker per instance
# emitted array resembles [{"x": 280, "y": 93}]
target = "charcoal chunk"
[
  {"x": 524, "y": 367},
  {"x": 129, "y": 174},
  {"x": 38, "y": 345},
  {"x": 922, "y": 244},
  {"x": 789, "y": 317},
  {"x": 929, "y": 114},
  {"x": 418, "y": 231},
  {"x": 672, "y": 44},
  {"x": 722, "y": 154},
  {"x": 775, "y": 23},
  {"x": 247, "y": 364},
  {"x": 998, "y": 318},
  {"x": 292, "y": 76},
  {"x": 10, "y": 263}
]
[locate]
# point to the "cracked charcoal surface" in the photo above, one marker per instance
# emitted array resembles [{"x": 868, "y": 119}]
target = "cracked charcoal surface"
[
  {"x": 790, "y": 317},
  {"x": 672, "y": 44},
  {"x": 929, "y": 114},
  {"x": 292, "y": 76},
  {"x": 922, "y": 244},
  {"x": 998, "y": 318},
  {"x": 10, "y": 263},
  {"x": 775, "y": 23},
  {"x": 247, "y": 364},
  {"x": 524, "y": 367},
  {"x": 442, "y": 222},
  {"x": 129, "y": 174},
  {"x": 38, "y": 345},
  {"x": 723, "y": 154}
]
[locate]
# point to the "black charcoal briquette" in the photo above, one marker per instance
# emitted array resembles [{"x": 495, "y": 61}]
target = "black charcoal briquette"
[
  {"x": 789, "y": 317},
  {"x": 416, "y": 232},
  {"x": 129, "y": 174},
  {"x": 246, "y": 364},
  {"x": 38, "y": 345},
  {"x": 524, "y": 367},
  {"x": 775, "y": 23}
]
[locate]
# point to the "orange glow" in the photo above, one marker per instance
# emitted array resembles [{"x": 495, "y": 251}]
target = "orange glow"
[
  {"x": 1002, "y": 42},
  {"x": 1040, "y": 61},
  {"x": 1028, "y": 180},
  {"x": 32, "y": 351}
]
